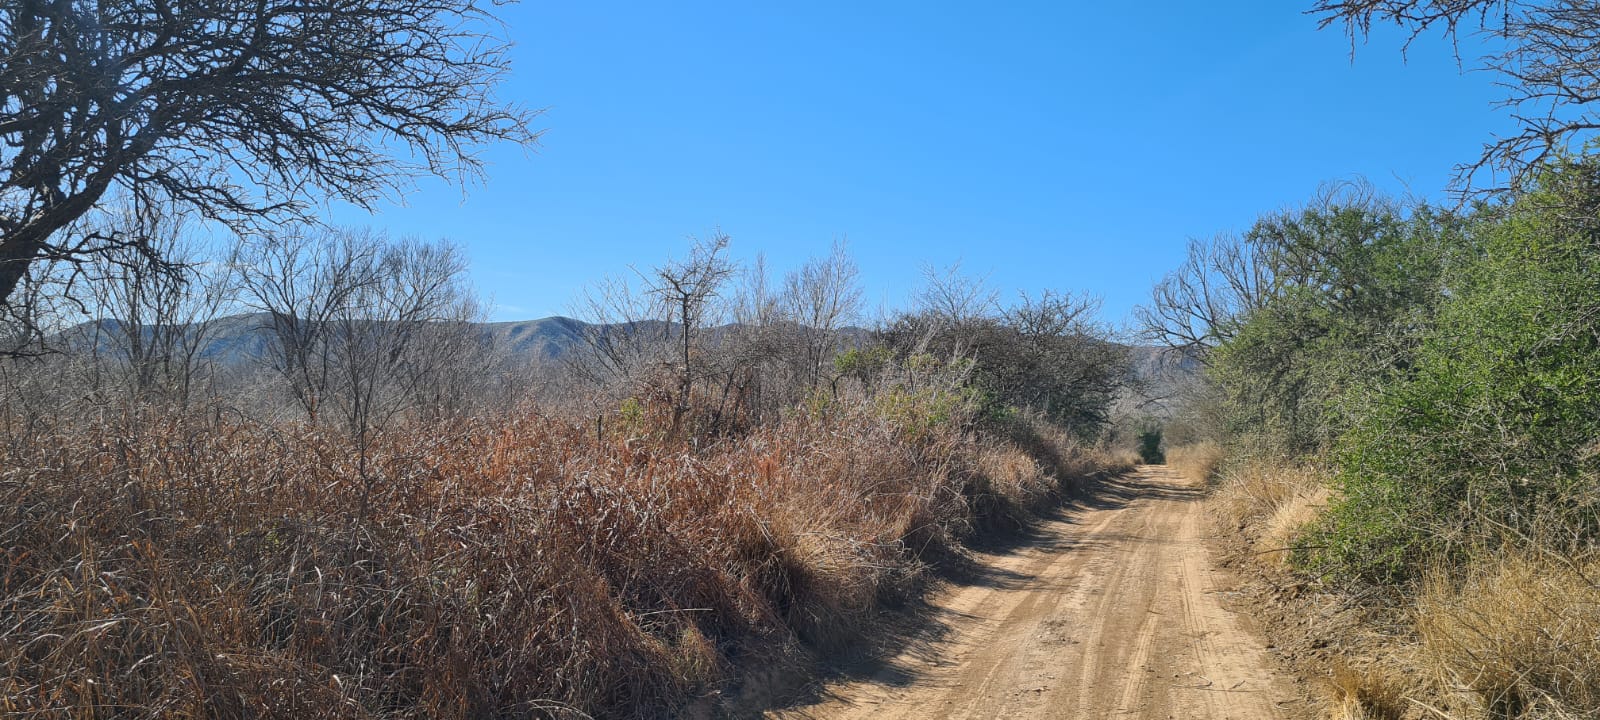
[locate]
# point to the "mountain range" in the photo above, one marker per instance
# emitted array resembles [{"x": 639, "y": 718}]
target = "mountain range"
[{"x": 246, "y": 337}]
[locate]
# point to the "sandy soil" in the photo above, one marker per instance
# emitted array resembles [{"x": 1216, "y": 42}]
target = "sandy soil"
[{"x": 1114, "y": 610}]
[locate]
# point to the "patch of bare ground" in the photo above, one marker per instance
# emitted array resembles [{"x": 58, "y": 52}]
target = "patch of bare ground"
[
  {"x": 1111, "y": 608},
  {"x": 1354, "y": 656}
]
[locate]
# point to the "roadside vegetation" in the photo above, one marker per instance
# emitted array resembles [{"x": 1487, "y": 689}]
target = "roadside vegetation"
[
  {"x": 1407, "y": 396},
  {"x": 358, "y": 506},
  {"x": 1397, "y": 406},
  {"x": 253, "y": 466}
]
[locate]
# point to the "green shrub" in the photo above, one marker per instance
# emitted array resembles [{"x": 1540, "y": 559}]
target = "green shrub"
[
  {"x": 1150, "y": 447},
  {"x": 1492, "y": 432}
]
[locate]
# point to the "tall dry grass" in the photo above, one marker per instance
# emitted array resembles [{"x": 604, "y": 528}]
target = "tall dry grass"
[
  {"x": 1197, "y": 461},
  {"x": 1268, "y": 503},
  {"x": 519, "y": 566},
  {"x": 1508, "y": 634},
  {"x": 1515, "y": 635}
]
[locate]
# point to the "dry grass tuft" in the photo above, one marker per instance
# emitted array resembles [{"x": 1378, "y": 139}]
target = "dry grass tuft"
[
  {"x": 1199, "y": 461},
  {"x": 1291, "y": 517},
  {"x": 1365, "y": 695},
  {"x": 1014, "y": 483},
  {"x": 1269, "y": 504},
  {"x": 1518, "y": 634}
]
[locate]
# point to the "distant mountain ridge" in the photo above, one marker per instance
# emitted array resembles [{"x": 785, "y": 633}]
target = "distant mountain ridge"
[{"x": 247, "y": 337}]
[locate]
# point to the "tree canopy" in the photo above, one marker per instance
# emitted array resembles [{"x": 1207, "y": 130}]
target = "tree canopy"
[{"x": 241, "y": 110}]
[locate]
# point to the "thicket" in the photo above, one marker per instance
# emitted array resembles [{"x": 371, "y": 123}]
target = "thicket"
[
  {"x": 1048, "y": 354},
  {"x": 1418, "y": 410},
  {"x": 367, "y": 511},
  {"x": 1312, "y": 307},
  {"x": 1489, "y": 437},
  {"x": 1441, "y": 372}
]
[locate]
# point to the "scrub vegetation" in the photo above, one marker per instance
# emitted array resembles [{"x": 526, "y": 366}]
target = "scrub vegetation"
[
  {"x": 1398, "y": 406},
  {"x": 254, "y": 466},
  {"x": 1407, "y": 397},
  {"x": 333, "y": 495}
]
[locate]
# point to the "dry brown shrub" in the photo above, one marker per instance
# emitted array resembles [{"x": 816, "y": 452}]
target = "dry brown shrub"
[
  {"x": 1519, "y": 634},
  {"x": 515, "y": 566},
  {"x": 1009, "y": 484},
  {"x": 1067, "y": 458},
  {"x": 1198, "y": 461},
  {"x": 1103, "y": 459}
]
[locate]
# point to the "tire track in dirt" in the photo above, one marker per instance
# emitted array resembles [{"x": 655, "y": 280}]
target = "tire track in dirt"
[{"x": 1113, "y": 612}]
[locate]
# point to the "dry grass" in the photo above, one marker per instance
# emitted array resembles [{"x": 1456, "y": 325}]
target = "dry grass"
[
  {"x": 1105, "y": 459},
  {"x": 509, "y": 567},
  {"x": 1506, "y": 635},
  {"x": 1269, "y": 504},
  {"x": 1365, "y": 694},
  {"x": 1199, "y": 461},
  {"x": 1292, "y": 516},
  {"x": 1518, "y": 635}
]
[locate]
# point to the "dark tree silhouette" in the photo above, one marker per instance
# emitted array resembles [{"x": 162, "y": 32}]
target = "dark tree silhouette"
[
  {"x": 242, "y": 110},
  {"x": 1547, "y": 53}
]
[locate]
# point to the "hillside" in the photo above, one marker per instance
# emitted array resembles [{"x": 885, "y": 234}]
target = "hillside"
[{"x": 1159, "y": 374}]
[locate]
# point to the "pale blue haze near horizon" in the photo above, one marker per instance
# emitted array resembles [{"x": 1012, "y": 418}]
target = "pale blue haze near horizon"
[{"x": 1072, "y": 146}]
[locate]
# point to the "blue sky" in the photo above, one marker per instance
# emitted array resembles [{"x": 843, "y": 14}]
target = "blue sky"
[{"x": 1074, "y": 146}]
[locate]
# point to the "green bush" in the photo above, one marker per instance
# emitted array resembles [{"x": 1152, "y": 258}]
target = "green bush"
[
  {"x": 1352, "y": 282},
  {"x": 1492, "y": 433},
  {"x": 1150, "y": 448}
]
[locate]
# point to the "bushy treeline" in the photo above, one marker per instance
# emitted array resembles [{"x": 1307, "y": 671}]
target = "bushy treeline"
[
  {"x": 1442, "y": 370},
  {"x": 755, "y": 346},
  {"x": 1489, "y": 436},
  {"x": 376, "y": 513},
  {"x": 1444, "y": 363}
]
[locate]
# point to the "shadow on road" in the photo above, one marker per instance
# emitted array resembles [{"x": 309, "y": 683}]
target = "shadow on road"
[{"x": 913, "y": 632}]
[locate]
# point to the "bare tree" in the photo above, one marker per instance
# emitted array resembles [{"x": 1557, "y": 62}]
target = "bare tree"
[
  {"x": 156, "y": 305},
  {"x": 302, "y": 282},
  {"x": 720, "y": 332},
  {"x": 1550, "y": 68},
  {"x": 955, "y": 298},
  {"x": 400, "y": 336},
  {"x": 754, "y": 302},
  {"x": 756, "y": 351},
  {"x": 822, "y": 297},
  {"x": 366, "y": 327},
  {"x": 241, "y": 109},
  {"x": 687, "y": 289},
  {"x": 1198, "y": 306},
  {"x": 1053, "y": 314},
  {"x": 624, "y": 335}
]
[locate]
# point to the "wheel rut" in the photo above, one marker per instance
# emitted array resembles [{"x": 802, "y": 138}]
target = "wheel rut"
[{"x": 1113, "y": 611}]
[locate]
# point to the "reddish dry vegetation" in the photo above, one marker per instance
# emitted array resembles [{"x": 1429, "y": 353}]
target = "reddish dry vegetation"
[{"x": 188, "y": 567}]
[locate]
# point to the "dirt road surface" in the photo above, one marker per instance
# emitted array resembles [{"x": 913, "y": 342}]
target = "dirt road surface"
[{"x": 1113, "y": 610}]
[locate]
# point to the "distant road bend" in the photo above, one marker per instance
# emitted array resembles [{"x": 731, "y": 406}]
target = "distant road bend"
[{"x": 1113, "y": 612}]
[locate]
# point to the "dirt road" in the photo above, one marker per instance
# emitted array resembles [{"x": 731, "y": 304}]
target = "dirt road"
[{"x": 1113, "y": 610}]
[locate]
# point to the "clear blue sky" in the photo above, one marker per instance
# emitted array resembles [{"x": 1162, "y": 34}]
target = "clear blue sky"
[{"x": 1049, "y": 145}]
